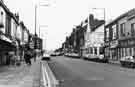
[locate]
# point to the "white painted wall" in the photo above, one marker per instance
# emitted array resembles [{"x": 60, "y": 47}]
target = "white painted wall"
[
  {"x": 19, "y": 33},
  {"x": 13, "y": 28},
  {"x": 97, "y": 37},
  {"x": 25, "y": 36}
]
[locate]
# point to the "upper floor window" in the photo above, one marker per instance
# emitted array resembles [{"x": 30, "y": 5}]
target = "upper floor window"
[
  {"x": 133, "y": 28},
  {"x": 107, "y": 34},
  {"x": 1, "y": 18},
  {"x": 122, "y": 29},
  {"x": 114, "y": 32}
]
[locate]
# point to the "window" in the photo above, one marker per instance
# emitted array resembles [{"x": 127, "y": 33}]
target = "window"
[
  {"x": 114, "y": 31},
  {"x": 101, "y": 50},
  {"x": 122, "y": 29},
  {"x": 121, "y": 50},
  {"x": 95, "y": 50},
  {"x": 124, "y": 52},
  {"x": 133, "y": 28},
  {"x": 107, "y": 34},
  {"x": 1, "y": 18}
]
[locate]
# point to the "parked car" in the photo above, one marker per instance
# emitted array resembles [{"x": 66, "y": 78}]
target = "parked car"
[
  {"x": 46, "y": 57},
  {"x": 128, "y": 61},
  {"x": 53, "y": 54},
  {"x": 93, "y": 57},
  {"x": 102, "y": 59}
]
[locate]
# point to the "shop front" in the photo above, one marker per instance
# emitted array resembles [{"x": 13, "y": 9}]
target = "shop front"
[
  {"x": 114, "y": 50},
  {"x": 107, "y": 51},
  {"x": 6, "y": 47},
  {"x": 127, "y": 48}
]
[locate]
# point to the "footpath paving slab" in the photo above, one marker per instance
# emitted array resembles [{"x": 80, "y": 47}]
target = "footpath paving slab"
[{"x": 22, "y": 76}]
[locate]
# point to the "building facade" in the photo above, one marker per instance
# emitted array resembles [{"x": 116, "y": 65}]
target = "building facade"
[
  {"x": 111, "y": 40},
  {"x": 119, "y": 36},
  {"x": 94, "y": 37},
  {"x": 7, "y": 38}
]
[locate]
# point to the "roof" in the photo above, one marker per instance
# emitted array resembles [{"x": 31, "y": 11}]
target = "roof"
[
  {"x": 8, "y": 11},
  {"x": 120, "y": 17},
  {"x": 101, "y": 22}
]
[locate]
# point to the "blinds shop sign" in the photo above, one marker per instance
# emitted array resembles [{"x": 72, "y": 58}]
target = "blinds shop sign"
[{"x": 114, "y": 44}]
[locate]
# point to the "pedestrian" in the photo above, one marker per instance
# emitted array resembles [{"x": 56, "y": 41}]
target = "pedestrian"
[
  {"x": 27, "y": 57},
  {"x": 35, "y": 55}
]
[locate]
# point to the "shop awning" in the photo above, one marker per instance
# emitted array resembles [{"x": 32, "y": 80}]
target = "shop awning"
[{"x": 6, "y": 46}]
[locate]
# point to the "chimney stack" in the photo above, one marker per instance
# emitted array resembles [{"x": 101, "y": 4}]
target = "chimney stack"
[{"x": 17, "y": 16}]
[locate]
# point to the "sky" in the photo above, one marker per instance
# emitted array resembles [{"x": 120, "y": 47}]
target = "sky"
[{"x": 57, "y": 20}]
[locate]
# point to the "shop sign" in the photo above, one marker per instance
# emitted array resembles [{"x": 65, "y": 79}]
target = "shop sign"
[
  {"x": 127, "y": 43},
  {"x": 107, "y": 44},
  {"x": 114, "y": 44}
]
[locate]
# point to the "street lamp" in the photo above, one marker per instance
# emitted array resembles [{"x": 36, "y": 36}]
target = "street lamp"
[{"x": 46, "y": 5}]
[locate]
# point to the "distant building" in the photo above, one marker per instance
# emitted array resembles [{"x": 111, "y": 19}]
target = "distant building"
[{"x": 94, "y": 36}]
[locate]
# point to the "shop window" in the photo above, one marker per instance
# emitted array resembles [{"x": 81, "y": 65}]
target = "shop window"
[
  {"x": 101, "y": 50},
  {"x": 95, "y": 50},
  {"x": 124, "y": 52},
  {"x": 130, "y": 51}
]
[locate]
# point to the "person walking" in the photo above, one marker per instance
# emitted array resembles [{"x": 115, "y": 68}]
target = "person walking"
[
  {"x": 35, "y": 55},
  {"x": 27, "y": 57}
]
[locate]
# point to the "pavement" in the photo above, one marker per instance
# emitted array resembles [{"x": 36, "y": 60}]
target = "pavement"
[{"x": 21, "y": 76}]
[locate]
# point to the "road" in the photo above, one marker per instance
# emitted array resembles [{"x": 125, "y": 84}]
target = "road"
[{"x": 82, "y": 73}]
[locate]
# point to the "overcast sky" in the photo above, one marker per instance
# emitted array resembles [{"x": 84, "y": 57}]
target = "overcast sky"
[{"x": 57, "y": 20}]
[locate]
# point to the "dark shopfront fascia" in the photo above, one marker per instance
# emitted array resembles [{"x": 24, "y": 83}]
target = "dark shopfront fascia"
[
  {"x": 127, "y": 47},
  {"x": 5, "y": 48},
  {"x": 114, "y": 50},
  {"x": 107, "y": 46}
]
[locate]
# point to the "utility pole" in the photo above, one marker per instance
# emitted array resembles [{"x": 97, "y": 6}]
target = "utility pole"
[{"x": 35, "y": 19}]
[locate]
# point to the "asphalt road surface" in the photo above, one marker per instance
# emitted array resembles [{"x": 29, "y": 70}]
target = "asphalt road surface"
[{"x": 81, "y": 73}]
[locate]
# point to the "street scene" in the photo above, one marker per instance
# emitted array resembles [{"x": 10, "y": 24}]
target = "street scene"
[{"x": 70, "y": 43}]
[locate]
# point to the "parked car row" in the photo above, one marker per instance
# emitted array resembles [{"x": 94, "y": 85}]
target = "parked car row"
[
  {"x": 96, "y": 58},
  {"x": 74, "y": 55},
  {"x": 57, "y": 54},
  {"x": 127, "y": 61}
]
